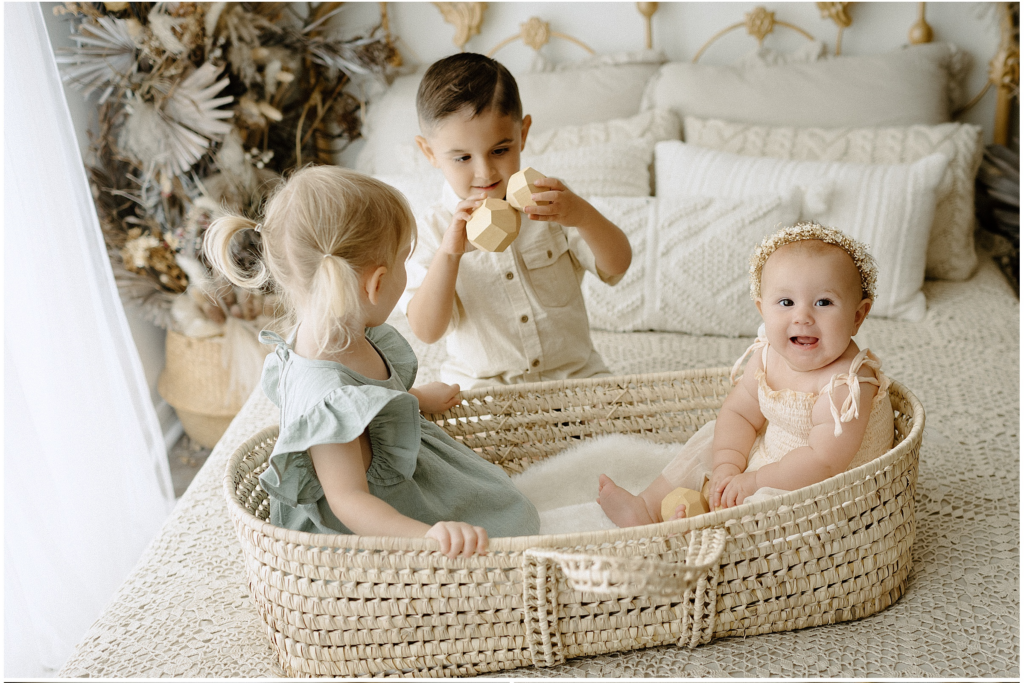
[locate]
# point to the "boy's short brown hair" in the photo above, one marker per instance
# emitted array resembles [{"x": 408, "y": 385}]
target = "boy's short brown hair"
[{"x": 466, "y": 80}]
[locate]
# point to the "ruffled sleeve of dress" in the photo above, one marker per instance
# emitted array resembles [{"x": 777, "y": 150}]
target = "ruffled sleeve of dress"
[{"x": 320, "y": 404}]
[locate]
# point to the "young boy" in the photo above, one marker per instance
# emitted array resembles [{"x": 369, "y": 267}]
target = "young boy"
[{"x": 517, "y": 315}]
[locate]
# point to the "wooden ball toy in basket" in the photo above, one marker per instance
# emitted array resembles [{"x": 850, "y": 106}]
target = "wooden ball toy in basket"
[
  {"x": 521, "y": 185},
  {"x": 493, "y": 225}
]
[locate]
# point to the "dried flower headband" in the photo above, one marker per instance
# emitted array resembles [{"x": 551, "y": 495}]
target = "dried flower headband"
[{"x": 813, "y": 231}]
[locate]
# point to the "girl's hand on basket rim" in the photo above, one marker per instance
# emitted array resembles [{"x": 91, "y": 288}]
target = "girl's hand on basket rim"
[
  {"x": 436, "y": 397},
  {"x": 459, "y": 538}
]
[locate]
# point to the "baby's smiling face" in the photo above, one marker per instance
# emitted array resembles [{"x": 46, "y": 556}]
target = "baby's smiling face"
[
  {"x": 477, "y": 154},
  {"x": 811, "y": 303}
]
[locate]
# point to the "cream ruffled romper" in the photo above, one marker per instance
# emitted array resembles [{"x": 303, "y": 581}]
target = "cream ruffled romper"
[{"x": 788, "y": 423}]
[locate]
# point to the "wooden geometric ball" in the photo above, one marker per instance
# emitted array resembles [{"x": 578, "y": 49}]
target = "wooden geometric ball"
[
  {"x": 693, "y": 500},
  {"x": 493, "y": 225},
  {"x": 521, "y": 186}
]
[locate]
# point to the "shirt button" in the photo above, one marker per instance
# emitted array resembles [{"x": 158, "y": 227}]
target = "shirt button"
[
  {"x": 525, "y": 319},
  {"x": 535, "y": 363},
  {"x": 508, "y": 276},
  {"x": 549, "y": 253}
]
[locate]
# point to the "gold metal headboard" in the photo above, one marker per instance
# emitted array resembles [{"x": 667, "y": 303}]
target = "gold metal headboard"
[
  {"x": 536, "y": 33},
  {"x": 839, "y": 13},
  {"x": 647, "y": 9},
  {"x": 1003, "y": 73},
  {"x": 468, "y": 17},
  {"x": 759, "y": 22}
]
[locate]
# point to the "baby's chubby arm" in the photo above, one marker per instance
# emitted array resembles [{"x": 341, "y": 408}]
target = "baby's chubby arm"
[
  {"x": 430, "y": 309},
  {"x": 610, "y": 245},
  {"x": 342, "y": 475},
  {"x": 826, "y": 454},
  {"x": 736, "y": 428}
]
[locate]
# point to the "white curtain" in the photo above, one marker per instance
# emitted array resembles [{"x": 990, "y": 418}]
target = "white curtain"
[{"x": 86, "y": 482}]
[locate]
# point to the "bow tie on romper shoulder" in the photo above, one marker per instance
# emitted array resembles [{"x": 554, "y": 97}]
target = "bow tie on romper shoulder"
[{"x": 281, "y": 347}]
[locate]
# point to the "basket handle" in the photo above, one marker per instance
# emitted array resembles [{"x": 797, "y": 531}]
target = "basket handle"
[{"x": 636, "y": 576}]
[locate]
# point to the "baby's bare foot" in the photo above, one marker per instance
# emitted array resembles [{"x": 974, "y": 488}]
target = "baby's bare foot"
[
  {"x": 680, "y": 512},
  {"x": 621, "y": 506}
]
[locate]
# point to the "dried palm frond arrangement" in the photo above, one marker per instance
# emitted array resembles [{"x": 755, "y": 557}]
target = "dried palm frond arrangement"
[{"x": 201, "y": 108}]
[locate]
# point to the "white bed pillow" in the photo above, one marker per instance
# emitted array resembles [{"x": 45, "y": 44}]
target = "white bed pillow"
[
  {"x": 690, "y": 256},
  {"x": 914, "y": 85},
  {"x": 422, "y": 190},
  {"x": 588, "y": 92},
  {"x": 951, "y": 254},
  {"x": 887, "y": 206},
  {"x": 391, "y": 127},
  {"x": 593, "y": 90}
]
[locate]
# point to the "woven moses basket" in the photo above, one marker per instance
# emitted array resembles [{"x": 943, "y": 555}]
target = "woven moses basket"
[{"x": 338, "y": 605}]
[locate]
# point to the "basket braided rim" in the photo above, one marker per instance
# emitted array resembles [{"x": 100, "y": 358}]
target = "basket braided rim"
[{"x": 512, "y": 544}]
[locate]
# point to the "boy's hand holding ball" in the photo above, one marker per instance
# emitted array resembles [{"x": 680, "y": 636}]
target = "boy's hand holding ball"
[
  {"x": 553, "y": 201},
  {"x": 455, "y": 240}
]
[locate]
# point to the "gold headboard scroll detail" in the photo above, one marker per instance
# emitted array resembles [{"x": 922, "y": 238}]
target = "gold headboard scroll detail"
[
  {"x": 837, "y": 12},
  {"x": 759, "y": 22},
  {"x": 536, "y": 34},
  {"x": 466, "y": 17}
]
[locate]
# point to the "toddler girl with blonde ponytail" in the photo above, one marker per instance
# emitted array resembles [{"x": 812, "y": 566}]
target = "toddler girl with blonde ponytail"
[{"x": 354, "y": 454}]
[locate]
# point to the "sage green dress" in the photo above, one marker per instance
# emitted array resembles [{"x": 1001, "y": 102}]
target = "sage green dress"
[{"x": 416, "y": 467}]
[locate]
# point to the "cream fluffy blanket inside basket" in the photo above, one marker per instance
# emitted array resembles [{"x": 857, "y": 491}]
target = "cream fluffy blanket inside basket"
[{"x": 564, "y": 487}]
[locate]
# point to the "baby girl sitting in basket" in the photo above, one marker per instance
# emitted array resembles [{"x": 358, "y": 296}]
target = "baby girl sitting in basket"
[{"x": 810, "y": 405}]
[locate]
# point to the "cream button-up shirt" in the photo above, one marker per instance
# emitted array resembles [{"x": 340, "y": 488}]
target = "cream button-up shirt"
[{"x": 518, "y": 315}]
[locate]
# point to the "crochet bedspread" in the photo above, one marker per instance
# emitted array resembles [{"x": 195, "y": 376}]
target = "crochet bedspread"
[{"x": 185, "y": 610}]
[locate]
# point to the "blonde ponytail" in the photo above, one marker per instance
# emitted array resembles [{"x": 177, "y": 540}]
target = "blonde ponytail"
[
  {"x": 217, "y": 246},
  {"x": 333, "y": 307}
]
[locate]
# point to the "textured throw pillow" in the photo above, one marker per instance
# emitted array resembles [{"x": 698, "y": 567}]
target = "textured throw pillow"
[
  {"x": 593, "y": 90},
  {"x": 887, "y": 206},
  {"x": 910, "y": 86},
  {"x": 690, "y": 259},
  {"x": 618, "y": 169},
  {"x": 654, "y": 126},
  {"x": 951, "y": 254}
]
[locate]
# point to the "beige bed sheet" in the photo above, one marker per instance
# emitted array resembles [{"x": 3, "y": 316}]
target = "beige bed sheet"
[{"x": 185, "y": 610}]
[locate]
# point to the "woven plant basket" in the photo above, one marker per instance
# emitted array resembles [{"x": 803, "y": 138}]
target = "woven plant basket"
[
  {"x": 196, "y": 383},
  {"x": 339, "y": 605}
]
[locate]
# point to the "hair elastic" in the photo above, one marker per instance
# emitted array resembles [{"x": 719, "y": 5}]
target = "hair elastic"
[{"x": 258, "y": 227}]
